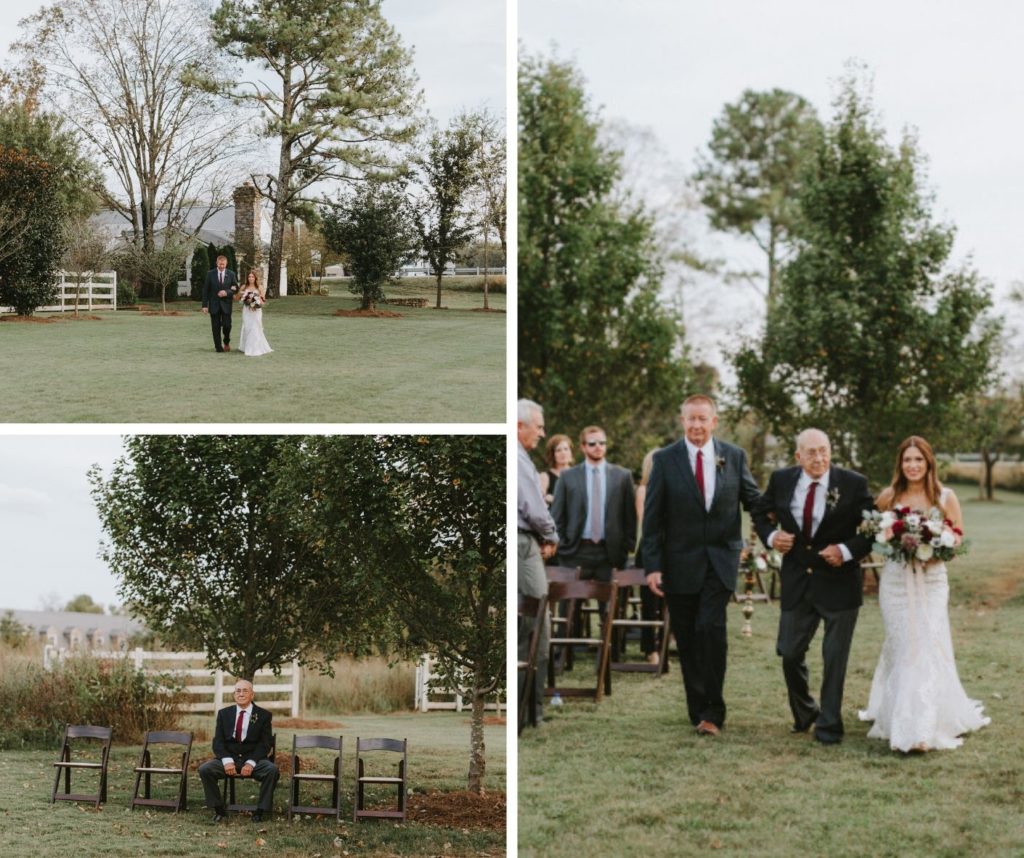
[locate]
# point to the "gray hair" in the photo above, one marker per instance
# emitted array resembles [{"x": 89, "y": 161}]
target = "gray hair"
[
  {"x": 806, "y": 432},
  {"x": 526, "y": 409}
]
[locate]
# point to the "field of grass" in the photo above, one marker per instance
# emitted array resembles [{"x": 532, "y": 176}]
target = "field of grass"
[
  {"x": 129, "y": 367},
  {"x": 630, "y": 776},
  {"x": 438, "y": 760}
]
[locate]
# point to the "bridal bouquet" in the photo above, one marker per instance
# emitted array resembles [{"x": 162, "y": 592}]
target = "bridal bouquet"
[
  {"x": 910, "y": 535},
  {"x": 252, "y": 300}
]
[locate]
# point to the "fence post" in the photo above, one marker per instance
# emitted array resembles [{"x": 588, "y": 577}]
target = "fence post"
[
  {"x": 295, "y": 688},
  {"x": 218, "y": 688},
  {"x": 138, "y": 658}
]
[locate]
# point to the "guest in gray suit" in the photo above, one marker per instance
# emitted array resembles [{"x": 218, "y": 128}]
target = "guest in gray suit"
[
  {"x": 595, "y": 511},
  {"x": 691, "y": 550}
]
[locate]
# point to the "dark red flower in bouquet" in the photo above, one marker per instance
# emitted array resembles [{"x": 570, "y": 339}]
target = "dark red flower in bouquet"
[{"x": 898, "y": 527}]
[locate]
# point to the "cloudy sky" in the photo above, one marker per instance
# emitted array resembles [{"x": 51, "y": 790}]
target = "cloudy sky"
[
  {"x": 459, "y": 48},
  {"x": 954, "y": 71},
  {"x": 49, "y": 529}
]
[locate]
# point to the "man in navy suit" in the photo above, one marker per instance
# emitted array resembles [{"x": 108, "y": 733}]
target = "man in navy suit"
[
  {"x": 219, "y": 289},
  {"x": 241, "y": 743},
  {"x": 691, "y": 548},
  {"x": 810, "y": 513}
]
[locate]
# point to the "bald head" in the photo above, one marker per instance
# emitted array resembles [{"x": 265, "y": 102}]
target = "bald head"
[{"x": 813, "y": 452}]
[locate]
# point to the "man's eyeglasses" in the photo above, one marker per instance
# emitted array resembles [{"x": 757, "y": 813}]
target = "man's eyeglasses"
[{"x": 596, "y": 443}]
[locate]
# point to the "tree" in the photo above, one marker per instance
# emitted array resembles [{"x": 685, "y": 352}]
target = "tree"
[
  {"x": 750, "y": 182},
  {"x": 77, "y": 180},
  {"x": 375, "y": 229},
  {"x": 871, "y": 338},
  {"x": 160, "y": 264},
  {"x": 83, "y": 603},
  {"x": 199, "y": 269},
  {"x": 343, "y": 83},
  {"x": 117, "y": 69},
  {"x": 596, "y": 343},
  {"x": 994, "y": 427},
  {"x": 86, "y": 252},
  {"x": 29, "y": 187},
  {"x": 436, "y": 506},
  {"x": 490, "y": 191},
  {"x": 212, "y": 540},
  {"x": 448, "y": 170},
  {"x": 12, "y": 633}
]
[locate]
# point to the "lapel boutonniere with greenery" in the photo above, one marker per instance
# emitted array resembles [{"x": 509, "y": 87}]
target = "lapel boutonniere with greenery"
[
  {"x": 719, "y": 463},
  {"x": 254, "y": 717},
  {"x": 832, "y": 498}
]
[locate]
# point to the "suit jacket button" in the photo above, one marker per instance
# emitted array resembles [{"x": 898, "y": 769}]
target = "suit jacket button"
[{"x": 809, "y": 570}]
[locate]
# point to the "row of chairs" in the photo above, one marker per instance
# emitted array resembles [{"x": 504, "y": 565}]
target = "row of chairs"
[
  {"x": 613, "y": 601},
  {"x": 165, "y": 744}
]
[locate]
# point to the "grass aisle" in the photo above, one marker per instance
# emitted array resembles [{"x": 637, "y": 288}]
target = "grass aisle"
[
  {"x": 438, "y": 757},
  {"x": 428, "y": 366},
  {"x": 631, "y": 777}
]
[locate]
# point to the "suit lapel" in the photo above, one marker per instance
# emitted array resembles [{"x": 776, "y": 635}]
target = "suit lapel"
[
  {"x": 789, "y": 489},
  {"x": 682, "y": 456},
  {"x": 833, "y": 489},
  {"x": 719, "y": 474}
]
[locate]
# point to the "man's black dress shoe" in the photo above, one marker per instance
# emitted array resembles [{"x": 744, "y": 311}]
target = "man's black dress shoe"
[
  {"x": 257, "y": 816},
  {"x": 218, "y": 815}
]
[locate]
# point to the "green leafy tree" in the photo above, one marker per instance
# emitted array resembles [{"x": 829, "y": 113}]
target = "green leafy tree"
[
  {"x": 213, "y": 542},
  {"x": 342, "y": 85},
  {"x": 994, "y": 426},
  {"x": 374, "y": 228},
  {"x": 448, "y": 169},
  {"x": 199, "y": 269},
  {"x": 12, "y": 633},
  {"x": 83, "y": 603},
  {"x": 211, "y": 254},
  {"x": 436, "y": 506},
  {"x": 30, "y": 186},
  {"x": 159, "y": 265},
  {"x": 872, "y": 338},
  {"x": 749, "y": 182},
  {"x": 596, "y": 343}
]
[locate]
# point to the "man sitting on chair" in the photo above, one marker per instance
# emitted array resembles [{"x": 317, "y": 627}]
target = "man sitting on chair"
[{"x": 241, "y": 742}]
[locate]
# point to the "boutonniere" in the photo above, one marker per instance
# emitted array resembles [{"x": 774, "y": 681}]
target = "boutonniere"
[
  {"x": 832, "y": 498},
  {"x": 254, "y": 718},
  {"x": 719, "y": 463}
]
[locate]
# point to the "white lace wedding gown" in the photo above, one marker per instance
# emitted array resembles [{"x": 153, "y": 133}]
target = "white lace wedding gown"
[
  {"x": 253, "y": 342},
  {"x": 916, "y": 697}
]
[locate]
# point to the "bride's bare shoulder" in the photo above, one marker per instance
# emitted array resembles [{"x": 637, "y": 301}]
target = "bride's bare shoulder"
[{"x": 885, "y": 498}]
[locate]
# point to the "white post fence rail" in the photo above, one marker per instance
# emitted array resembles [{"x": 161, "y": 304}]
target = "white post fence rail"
[
  {"x": 429, "y": 689},
  {"x": 212, "y": 692},
  {"x": 92, "y": 293}
]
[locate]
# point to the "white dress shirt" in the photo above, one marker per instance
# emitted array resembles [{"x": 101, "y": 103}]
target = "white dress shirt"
[
  {"x": 245, "y": 730},
  {"x": 710, "y": 468}
]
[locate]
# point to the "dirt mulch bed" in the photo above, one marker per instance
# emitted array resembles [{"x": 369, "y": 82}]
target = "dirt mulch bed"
[
  {"x": 369, "y": 314},
  {"x": 307, "y": 724},
  {"x": 34, "y": 319},
  {"x": 158, "y": 313},
  {"x": 488, "y": 310},
  {"x": 459, "y": 809}
]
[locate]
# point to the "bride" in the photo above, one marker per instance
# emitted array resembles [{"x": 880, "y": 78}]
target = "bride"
[
  {"x": 917, "y": 701},
  {"x": 253, "y": 342}
]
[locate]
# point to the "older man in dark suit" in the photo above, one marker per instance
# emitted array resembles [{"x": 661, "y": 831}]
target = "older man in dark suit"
[
  {"x": 692, "y": 541},
  {"x": 219, "y": 289},
  {"x": 241, "y": 743},
  {"x": 594, "y": 511}
]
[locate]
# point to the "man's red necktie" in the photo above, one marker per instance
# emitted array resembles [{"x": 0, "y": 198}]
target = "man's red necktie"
[
  {"x": 809, "y": 510},
  {"x": 700, "y": 476},
  {"x": 238, "y": 725}
]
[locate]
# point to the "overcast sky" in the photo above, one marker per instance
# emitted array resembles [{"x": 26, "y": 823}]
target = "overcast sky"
[
  {"x": 459, "y": 48},
  {"x": 49, "y": 529},
  {"x": 950, "y": 69}
]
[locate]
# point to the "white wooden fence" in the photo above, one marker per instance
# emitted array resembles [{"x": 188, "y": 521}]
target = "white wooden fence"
[
  {"x": 92, "y": 293},
  {"x": 211, "y": 693},
  {"x": 431, "y": 695}
]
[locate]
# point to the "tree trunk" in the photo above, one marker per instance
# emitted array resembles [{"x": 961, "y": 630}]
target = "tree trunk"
[
  {"x": 990, "y": 465},
  {"x": 757, "y": 452},
  {"x": 477, "y": 757},
  {"x": 440, "y": 271}
]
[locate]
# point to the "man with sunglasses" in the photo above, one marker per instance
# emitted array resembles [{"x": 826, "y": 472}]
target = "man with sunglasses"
[{"x": 594, "y": 511}]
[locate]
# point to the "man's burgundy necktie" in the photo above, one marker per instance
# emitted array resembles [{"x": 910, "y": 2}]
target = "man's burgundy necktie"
[
  {"x": 238, "y": 725},
  {"x": 809, "y": 510},
  {"x": 700, "y": 476}
]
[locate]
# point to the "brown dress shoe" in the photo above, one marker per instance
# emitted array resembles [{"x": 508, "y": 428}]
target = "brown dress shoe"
[
  {"x": 706, "y": 728},
  {"x": 227, "y": 348}
]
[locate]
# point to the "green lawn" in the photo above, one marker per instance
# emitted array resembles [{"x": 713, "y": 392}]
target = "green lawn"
[
  {"x": 428, "y": 366},
  {"x": 438, "y": 758},
  {"x": 630, "y": 776}
]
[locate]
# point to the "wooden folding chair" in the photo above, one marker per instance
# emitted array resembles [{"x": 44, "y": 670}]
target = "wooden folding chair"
[
  {"x": 563, "y": 614},
  {"x": 65, "y": 764},
  {"x": 362, "y": 779},
  {"x": 605, "y": 593},
  {"x": 534, "y": 609},
  {"x": 146, "y": 769},
  {"x": 626, "y": 579},
  {"x": 329, "y": 743},
  {"x": 228, "y": 796}
]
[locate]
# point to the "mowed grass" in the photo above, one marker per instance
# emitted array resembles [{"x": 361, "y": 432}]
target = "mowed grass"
[
  {"x": 630, "y": 776},
  {"x": 128, "y": 367},
  {"x": 438, "y": 759}
]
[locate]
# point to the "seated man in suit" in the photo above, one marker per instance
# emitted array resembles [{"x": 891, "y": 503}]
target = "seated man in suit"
[{"x": 241, "y": 742}]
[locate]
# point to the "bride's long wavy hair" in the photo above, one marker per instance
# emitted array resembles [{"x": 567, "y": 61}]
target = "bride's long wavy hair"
[
  {"x": 256, "y": 280},
  {"x": 899, "y": 485}
]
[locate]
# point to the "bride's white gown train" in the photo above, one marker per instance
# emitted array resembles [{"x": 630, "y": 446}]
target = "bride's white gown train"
[
  {"x": 253, "y": 342},
  {"x": 916, "y": 697}
]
